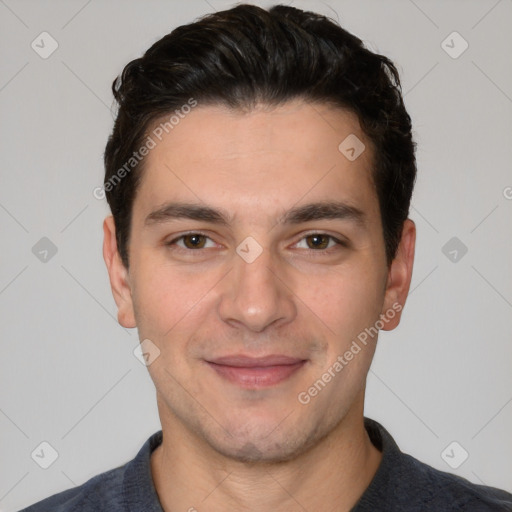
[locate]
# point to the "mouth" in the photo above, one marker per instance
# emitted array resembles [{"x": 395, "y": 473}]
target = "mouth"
[{"x": 260, "y": 372}]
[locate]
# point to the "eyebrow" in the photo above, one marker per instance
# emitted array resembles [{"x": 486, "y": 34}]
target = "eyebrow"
[
  {"x": 171, "y": 211},
  {"x": 325, "y": 210},
  {"x": 335, "y": 210}
]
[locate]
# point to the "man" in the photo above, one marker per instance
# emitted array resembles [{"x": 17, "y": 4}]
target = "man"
[{"x": 259, "y": 174}]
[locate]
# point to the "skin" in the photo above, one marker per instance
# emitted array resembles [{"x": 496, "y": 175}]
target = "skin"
[{"x": 231, "y": 448}]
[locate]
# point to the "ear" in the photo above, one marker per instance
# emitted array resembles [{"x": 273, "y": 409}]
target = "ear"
[
  {"x": 118, "y": 274},
  {"x": 399, "y": 278}
]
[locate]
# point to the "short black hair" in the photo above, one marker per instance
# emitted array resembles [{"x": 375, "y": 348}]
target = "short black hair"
[{"x": 247, "y": 56}]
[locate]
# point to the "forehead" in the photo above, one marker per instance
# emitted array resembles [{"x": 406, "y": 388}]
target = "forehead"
[{"x": 266, "y": 158}]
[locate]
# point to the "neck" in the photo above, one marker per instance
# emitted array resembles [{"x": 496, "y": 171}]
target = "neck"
[{"x": 190, "y": 475}]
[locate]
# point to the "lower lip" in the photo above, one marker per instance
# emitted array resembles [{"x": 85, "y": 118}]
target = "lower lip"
[{"x": 257, "y": 377}]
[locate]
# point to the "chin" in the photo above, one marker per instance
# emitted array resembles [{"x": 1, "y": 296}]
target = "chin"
[
  {"x": 258, "y": 453},
  {"x": 264, "y": 444}
]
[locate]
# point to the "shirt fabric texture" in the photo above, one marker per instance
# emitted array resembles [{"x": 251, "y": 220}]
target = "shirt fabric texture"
[{"x": 401, "y": 483}]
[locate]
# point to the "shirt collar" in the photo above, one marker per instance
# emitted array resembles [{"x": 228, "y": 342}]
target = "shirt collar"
[{"x": 140, "y": 492}]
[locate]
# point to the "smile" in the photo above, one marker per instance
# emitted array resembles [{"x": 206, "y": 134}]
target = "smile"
[{"x": 251, "y": 373}]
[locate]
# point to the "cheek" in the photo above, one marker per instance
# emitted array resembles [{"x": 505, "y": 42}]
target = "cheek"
[
  {"x": 348, "y": 302},
  {"x": 165, "y": 298},
  {"x": 345, "y": 300}
]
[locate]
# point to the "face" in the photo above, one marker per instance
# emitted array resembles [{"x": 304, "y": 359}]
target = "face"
[{"x": 256, "y": 261}]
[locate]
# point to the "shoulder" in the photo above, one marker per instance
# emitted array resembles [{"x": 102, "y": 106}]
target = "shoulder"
[
  {"x": 403, "y": 483},
  {"x": 99, "y": 491},
  {"x": 126, "y": 487},
  {"x": 427, "y": 486}
]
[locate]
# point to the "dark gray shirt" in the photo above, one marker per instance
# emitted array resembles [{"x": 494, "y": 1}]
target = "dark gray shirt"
[{"x": 402, "y": 483}]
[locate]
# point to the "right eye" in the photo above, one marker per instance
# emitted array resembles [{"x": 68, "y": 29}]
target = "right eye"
[{"x": 192, "y": 241}]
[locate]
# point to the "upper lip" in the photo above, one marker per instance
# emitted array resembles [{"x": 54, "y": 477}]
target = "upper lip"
[{"x": 253, "y": 362}]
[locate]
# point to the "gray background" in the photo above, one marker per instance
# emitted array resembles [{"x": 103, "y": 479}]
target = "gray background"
[{"x": 68, "y": 373}]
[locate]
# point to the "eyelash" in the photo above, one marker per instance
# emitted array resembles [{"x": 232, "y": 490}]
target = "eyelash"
[{"x": 338, "y": 242}]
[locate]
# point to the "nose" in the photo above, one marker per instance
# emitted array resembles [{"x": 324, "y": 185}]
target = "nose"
[{"x": 257, "y": 294}]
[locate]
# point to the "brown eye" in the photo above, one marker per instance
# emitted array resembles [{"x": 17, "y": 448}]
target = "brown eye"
[
  {"x": 191, "y": 241},
  {"x": 318, "y": 241},
  {"x": 194, "y": 241}
]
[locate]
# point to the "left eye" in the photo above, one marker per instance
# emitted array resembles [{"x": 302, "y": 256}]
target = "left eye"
[{"x": 318, "y": 241}]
